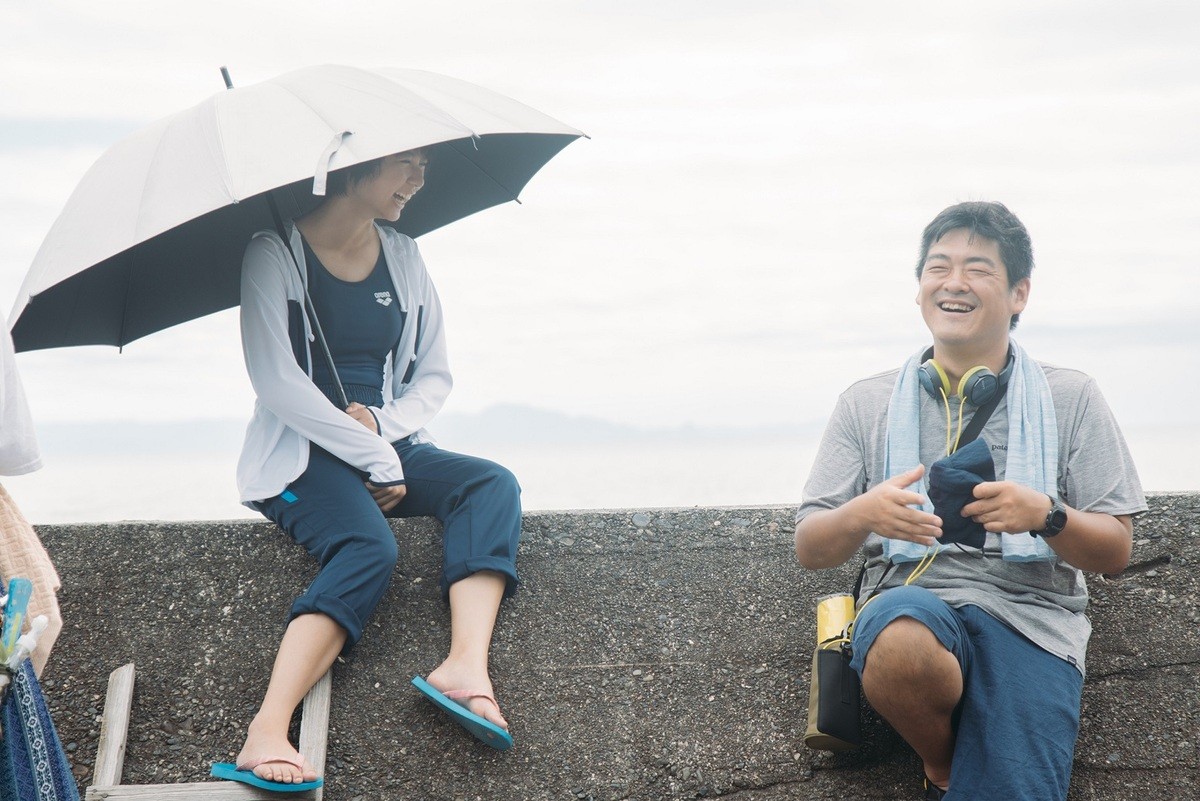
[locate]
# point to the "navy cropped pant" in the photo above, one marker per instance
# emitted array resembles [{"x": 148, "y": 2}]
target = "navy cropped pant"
[
  {"x": 1016, "y": 724},
  {"x": 331, "y": 513}
]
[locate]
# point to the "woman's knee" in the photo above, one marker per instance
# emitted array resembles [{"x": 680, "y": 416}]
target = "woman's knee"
[
  {"x": 385, "y": 551},
  {"x": 501, "y": 478},
  {"x": 373, "y": 549}
]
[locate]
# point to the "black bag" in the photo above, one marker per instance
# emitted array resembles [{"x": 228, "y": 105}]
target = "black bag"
[{"x": 833, "y": 702}]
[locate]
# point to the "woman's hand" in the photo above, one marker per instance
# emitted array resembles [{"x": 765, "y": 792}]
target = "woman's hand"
[
  {"x": 363, "y": 415},
  {"x": 386, "y": 498}
]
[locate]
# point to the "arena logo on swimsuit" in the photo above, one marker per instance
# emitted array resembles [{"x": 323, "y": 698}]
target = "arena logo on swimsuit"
[{"x": 383, "y": 298}]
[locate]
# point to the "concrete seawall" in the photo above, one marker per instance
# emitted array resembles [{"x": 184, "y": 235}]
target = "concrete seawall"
[{"x": 650, "y": 654}]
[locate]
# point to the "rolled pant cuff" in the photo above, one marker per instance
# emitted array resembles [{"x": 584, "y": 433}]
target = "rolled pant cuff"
[
  {"x": 336, "y": 609},
  {"x": 460, "y": 570}
]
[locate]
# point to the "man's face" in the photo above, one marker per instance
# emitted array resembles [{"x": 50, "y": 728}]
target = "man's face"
[{"x": 964, "y": 294}]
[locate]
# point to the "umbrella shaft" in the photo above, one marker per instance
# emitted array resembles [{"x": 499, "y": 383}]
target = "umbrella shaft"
[{"x": 308, "y": 304}]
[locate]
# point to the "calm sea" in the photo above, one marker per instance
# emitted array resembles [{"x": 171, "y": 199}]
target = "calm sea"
[{"x": 96, "y": 484}]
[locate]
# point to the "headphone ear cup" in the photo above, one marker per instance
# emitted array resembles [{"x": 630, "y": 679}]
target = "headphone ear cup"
[
  {"x": 978, "y": 386},
  {"x": 934, "y": 379}
]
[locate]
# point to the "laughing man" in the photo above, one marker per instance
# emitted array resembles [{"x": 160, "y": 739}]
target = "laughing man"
[{"x": 978, "y": 663}]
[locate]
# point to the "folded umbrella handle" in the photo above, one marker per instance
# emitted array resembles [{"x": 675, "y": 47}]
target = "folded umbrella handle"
[
  {"x": 27, "y": 642},
  {"x": 19, "y": 590},
  {"x": 322, "y": 171}
]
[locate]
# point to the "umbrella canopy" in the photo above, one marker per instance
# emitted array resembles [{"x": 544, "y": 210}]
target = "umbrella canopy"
[{"x": 154, "y": 233}]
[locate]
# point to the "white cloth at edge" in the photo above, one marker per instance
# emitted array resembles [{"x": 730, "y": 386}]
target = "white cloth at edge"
[
  {"x": 23, "y": 556},
  {"x": 1032, "y": 449},
  {"x": 290, "y": 411},
  {"x": 21, "y": 552},
  {"x": 18, "y": 442}
]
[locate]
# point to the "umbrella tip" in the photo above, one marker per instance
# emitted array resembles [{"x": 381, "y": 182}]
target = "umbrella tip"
[{"x": 225, "y": 75}]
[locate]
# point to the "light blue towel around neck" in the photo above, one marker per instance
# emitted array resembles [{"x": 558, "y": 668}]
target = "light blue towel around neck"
[{"x": 1032, "y": 449}]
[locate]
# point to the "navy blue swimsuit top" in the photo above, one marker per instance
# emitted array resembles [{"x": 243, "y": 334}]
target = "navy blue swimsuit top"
[{"x": 362, "y": 322}]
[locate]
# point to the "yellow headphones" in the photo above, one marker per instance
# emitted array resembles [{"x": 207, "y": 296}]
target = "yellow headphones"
[{"x": 977, "y": 386}]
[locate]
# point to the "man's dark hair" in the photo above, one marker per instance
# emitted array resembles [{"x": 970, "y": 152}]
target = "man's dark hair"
[
  {"x": 339, "y": 182},
  {"x": 989, "y": 220}
]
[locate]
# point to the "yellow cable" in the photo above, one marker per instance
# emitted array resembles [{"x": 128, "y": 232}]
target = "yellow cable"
[
  {"x": 922, "y": 565},
  {"x": 958, "y": 436},
  {"x": 930, "y": 554},
  {"x": 946, "y": 403}
]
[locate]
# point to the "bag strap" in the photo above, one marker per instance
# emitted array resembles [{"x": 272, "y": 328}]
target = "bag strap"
[
  {"x": 971, "y": 432},
  {"x": 979, "y": 420}
]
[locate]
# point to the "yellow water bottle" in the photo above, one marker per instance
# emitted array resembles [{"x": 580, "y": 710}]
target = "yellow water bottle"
[{"x": 834, "y": 613}]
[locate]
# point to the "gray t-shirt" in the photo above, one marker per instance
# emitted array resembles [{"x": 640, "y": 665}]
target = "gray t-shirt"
[{"x": 1044, "y": 601}]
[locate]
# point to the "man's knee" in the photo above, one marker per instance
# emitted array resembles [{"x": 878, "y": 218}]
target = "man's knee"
[{"x": 908, "y": 654}]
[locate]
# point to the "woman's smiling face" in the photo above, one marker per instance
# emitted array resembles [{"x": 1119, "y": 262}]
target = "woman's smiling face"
[{"x": 400, "y": 176}]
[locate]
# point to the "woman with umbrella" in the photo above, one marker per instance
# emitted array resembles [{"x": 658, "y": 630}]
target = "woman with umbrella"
[{"x": 330, "y": 468}]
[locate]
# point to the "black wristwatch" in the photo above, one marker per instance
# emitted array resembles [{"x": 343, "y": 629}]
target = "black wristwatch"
[{"x": 1056, "y": 520}]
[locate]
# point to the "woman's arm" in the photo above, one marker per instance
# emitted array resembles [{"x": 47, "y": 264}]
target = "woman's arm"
[{"x": 425, "y": 392}]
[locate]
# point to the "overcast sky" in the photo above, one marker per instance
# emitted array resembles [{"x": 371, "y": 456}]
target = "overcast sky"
[{"x": 734, "y": 244}]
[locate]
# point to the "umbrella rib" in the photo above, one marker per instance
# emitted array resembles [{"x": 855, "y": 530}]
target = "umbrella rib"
[
  {"x": 482, "y": 171},
  {"x": 137, "y": 227},
  {"x": 125, "y": 303},
  {"x": 428, "y": 107}
]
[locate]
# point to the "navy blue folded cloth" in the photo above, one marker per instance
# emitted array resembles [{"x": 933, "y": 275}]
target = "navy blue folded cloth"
[{"x": 951, "y": 482}]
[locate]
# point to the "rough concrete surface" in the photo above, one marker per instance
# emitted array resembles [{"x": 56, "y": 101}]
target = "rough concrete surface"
[{"x": 650, "y": 654}]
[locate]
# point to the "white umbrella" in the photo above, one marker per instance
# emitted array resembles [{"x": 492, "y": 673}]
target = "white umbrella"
[{"x": 154, "y": 233}]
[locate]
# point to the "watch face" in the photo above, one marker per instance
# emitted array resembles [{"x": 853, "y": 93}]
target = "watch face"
[{"x": 1056, "y": 520}]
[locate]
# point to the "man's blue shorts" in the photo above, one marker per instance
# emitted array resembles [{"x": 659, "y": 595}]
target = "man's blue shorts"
[{"x": 1016, "y": 724}]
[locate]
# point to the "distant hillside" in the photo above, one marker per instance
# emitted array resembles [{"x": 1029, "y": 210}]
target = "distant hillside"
[{"x": 511, "y": 422}]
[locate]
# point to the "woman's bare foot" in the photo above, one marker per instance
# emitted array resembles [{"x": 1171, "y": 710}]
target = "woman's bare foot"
[
  {"x": 455, "y": 676},
  {"x": 262, "y": 745}
]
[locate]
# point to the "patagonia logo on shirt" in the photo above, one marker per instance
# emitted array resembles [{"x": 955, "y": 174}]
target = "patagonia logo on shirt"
[{"x": 383, "y": 298}]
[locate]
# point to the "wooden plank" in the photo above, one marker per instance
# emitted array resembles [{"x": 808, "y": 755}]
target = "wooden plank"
[
  {"x": 110, "y": 756},
  {"x": 195, "y": 791},
  {"x": 314, "y": 726},
  {"x": 114, "y": 727}
]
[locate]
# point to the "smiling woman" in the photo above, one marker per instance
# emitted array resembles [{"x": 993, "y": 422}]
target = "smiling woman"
[
  {"x": 337, "y": 446},
  {"x": 370, "y": 182}
]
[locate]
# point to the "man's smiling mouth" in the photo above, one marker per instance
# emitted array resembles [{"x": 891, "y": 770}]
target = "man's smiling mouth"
[{"x": 955, "y": 307}]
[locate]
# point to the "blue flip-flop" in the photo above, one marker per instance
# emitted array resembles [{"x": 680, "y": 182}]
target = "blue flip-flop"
[
  {"x": 484, "y": 730},
  {"x": 231, "y": 772}
]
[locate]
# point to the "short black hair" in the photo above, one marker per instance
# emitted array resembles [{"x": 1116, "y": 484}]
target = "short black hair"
[
  {"x": 339, "y": 182},
  {"x": 990, "y": 220}
]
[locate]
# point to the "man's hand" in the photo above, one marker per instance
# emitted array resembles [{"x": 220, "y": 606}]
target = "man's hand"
[
  {"x": 887, "y": 510},
  {"x": 386, "y": 498},
  {"x": 1005, "y": 506},
  {"x": 363, "y": 415},
  {"x": 829, "y": 537}
]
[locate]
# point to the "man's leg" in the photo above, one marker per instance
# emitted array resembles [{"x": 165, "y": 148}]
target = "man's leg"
[
  {"x": 915, "y": 684},
  {"x": 909, "y": 649},
  {"x": 1019, "y": 718}
]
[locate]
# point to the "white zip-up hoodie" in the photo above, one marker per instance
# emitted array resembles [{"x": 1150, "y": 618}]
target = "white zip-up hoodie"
[{"x": 290, "y": 411}]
